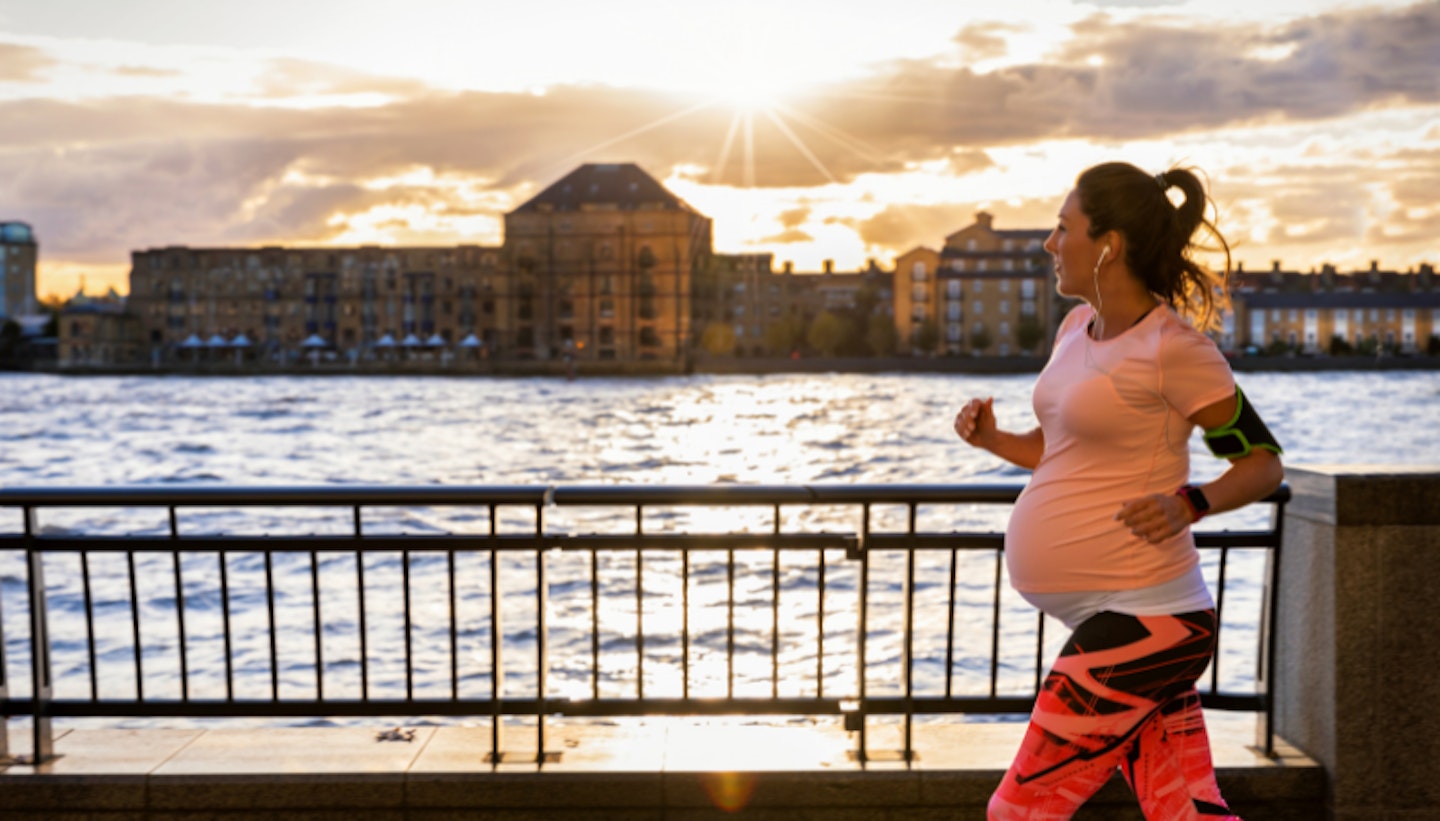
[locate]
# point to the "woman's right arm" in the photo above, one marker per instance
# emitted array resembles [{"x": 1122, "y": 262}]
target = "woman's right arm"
[{"x": 975, "y": 423}]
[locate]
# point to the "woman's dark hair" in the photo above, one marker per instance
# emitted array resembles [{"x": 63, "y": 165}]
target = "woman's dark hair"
[{"x": 1160, "y": 237}]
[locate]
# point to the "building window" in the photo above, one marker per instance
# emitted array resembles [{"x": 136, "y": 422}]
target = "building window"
[
  {"x": 1004, "y": 306},
  {"x": 918, "y": 272},
  {"x": 958, "y": 265},
  {"x": 978, "y": 308},
  {"x": 1005, "y": 283},
  {"x": 952, "y": 311},
  {"x": 952, "y": 288},
  {"x": 1027, "y": 288},
  {"x": 918, "y": 293}
]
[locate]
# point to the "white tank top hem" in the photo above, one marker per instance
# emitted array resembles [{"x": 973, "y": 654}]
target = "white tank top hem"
[{"x": 1183, "y": 594}]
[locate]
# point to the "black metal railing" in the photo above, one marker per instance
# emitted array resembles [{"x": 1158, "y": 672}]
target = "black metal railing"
[{"x": 575, "y": 601}]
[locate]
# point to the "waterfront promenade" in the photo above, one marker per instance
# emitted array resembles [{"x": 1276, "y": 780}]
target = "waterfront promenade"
[
  {"x": 1352, "y": 678},
  {"x": 666, "y": 769}
]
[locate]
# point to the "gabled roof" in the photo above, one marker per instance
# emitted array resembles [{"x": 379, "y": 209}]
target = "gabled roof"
[{"x": 624, "y": 185}]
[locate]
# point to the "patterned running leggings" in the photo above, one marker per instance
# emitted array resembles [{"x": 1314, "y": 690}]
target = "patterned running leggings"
[{"x": 1121, "y": 695}]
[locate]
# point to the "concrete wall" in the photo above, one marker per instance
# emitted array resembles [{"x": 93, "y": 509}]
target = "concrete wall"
[{"x": 1358, "y": 649}]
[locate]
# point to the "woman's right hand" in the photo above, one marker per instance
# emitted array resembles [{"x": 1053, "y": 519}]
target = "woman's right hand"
[{"x": 975, "y": 423}]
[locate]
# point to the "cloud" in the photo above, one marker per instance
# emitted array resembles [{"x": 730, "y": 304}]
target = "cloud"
[
  {"x": 789, "y": 236},
  {"x": 1154, "y": 78},
  {"x": 22, "y": 64},
  {"x": 145, "y": 71},
  {"x": 904, "y": 226},
  {"x": 289, "y": 77},
  {"x": 107, "y": 175},
  {"x": 985, "y": 41},
  {"x": 794, "y": 217}
]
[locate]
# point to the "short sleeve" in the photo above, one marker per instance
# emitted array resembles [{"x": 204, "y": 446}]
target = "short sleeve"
[
  {"x": 1193, "y": 372},
  {"x": 1073, "y": 321}
]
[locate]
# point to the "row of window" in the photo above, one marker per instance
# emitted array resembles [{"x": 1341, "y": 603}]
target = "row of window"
[
  {"x": 920, "y": 272},
  {"x": 954, "y": 288},
  {"x": 1343, "y": 314}
]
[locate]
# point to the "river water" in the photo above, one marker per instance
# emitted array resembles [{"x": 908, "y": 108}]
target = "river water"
[{"x": 778, "y": 429}]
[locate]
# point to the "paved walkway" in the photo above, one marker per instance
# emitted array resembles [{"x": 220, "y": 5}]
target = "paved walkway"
[{"x": 634, "y": 769}]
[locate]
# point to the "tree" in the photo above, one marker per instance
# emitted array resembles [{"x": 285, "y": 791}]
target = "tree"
[
  {"x": 1029, "y": 333},
  {"x": 827, "y": 332},
  {"x": 980, "y": 339},
  {"x": 925, "y": 336},
  {"x": 9, "y": 339},
  {"x": 783, "y": 335},
  {"x": 881, "y": 336},
  {"x": 1433, "y": 346},
  {"x": 1340, "y": 347},
  {"x": 718, "y": 339}
]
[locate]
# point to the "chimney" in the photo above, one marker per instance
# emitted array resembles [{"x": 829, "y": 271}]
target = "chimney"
[
  {"x": 985, "y": 219},
  {"x": 789, "y": 267},
  {"x": 829, "y": 266}
]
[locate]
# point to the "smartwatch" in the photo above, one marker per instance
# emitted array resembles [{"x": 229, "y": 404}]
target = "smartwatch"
[{"x": 1199, "y": 505}]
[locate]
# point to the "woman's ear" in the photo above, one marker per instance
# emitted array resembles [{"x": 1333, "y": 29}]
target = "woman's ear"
[{"x": 1115, "y": 241}]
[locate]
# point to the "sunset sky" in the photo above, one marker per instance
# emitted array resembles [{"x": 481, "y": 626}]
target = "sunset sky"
[{"x": 813, "y": 130}]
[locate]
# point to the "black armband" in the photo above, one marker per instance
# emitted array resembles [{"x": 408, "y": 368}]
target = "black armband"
[{"x": 1242, "y": 434}]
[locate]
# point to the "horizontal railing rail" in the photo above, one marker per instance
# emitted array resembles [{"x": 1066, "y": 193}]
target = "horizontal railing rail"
[{"x": 666, "y": 600}]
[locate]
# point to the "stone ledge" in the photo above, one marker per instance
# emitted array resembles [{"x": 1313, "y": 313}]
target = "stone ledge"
[{"x": 644, "y": 770}]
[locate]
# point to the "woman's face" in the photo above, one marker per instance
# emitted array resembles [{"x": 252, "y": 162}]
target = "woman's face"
[{"x": 1075, "y": 253}]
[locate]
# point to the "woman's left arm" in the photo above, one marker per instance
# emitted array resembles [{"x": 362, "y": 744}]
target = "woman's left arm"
[{"x": 1249, "y": 478}]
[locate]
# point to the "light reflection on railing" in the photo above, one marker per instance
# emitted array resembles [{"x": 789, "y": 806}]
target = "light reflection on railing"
[{"x": 573, "y": 601}]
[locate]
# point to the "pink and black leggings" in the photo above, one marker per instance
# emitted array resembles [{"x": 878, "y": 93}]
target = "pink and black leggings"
[{"x": 1120, "y": 696}]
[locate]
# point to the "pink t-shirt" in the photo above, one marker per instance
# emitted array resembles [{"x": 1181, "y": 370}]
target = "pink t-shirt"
[{"x": 1115, "y": 415}]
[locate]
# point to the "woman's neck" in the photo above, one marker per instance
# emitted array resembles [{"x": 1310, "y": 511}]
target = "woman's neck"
[{"x": 1119, "y": 312}]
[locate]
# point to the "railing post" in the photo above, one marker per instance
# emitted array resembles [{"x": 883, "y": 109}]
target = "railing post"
[
  {"x": 862, "y": 629},
  {"x": 4, "y": 689},
  {"x": 1265, "y": 663},
  {"x": 43, "y": 746},
  {"x": 497, "y": 641}
]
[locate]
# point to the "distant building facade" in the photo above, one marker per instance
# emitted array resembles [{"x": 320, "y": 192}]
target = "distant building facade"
[
  {"x": 97, "y": 331},
  {"x": 606, "y": 264},
  {"x": 987, "y": 291},
  {"x": 768, "y": 312},
  {"x": 1329, "y": 312},
  {"x": 18, "y": 253},
  {"x": 600, "y": 266},
  {"x": 597, "y": 266},
  {"x": 351, "y": 299}
]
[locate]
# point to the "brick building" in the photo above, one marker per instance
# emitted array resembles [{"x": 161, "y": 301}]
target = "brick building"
[
  {"x": 987, "y": 291},
  {"x": 96, "y": 331},
  {"x": 600, "y": 266},
  {"x": 1330, "y": 312}
]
